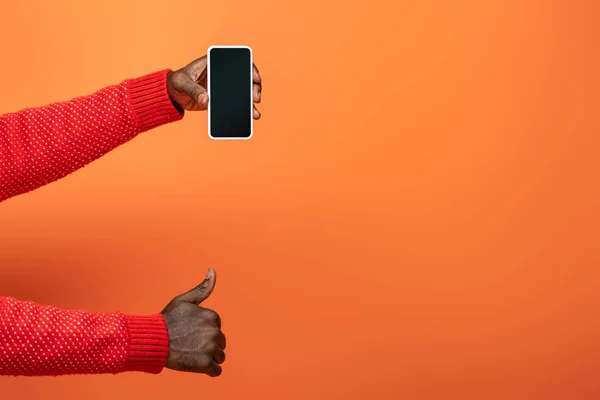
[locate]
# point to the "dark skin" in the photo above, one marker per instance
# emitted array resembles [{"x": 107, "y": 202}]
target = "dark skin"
[
  {"x": 196, "y": 342},
  {"x": 188, "y": 87}
]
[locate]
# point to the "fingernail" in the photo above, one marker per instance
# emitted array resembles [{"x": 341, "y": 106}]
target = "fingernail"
[{"x": 208, "y": 274}]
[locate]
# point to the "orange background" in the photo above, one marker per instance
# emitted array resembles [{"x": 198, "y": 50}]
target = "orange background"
[{"x": 415, "y": 218}]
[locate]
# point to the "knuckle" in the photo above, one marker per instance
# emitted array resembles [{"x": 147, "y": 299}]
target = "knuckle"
[
  {"x": 201, "y": 287},
  {"x": 211, "y": 315},
  {"x": 178, "y": 77},
  {"x": 212, "y": 346}
]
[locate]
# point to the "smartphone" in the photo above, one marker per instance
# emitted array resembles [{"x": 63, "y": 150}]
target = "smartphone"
[{"x": 230, "y": 97}]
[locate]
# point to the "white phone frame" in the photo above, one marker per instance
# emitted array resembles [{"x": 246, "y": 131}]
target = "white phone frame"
[{"x": 251, "y": 69}]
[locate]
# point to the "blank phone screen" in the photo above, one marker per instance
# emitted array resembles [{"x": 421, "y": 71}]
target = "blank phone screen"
[{"x": 230, "y": 86}]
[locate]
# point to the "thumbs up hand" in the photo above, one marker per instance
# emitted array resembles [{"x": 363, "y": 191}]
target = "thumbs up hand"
[{"x": 196, "y": 343}]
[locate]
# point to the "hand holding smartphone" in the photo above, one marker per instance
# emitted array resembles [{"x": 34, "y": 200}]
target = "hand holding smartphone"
[{"x": 230, "y": 82}]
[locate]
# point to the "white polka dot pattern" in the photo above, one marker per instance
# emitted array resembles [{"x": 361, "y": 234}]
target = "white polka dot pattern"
[
  {"x": 42, "y": 340},
  {"x": 40, "y": 145},
  {"x": 38, "y": 340}
]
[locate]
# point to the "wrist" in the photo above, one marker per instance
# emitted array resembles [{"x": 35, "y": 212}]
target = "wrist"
[
  {"x": 150, "y": 101},
  {"x": 175, "y": 104}
]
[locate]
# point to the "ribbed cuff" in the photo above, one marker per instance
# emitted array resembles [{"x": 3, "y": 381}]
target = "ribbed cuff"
[
  {"x": 150, "y": 101},
  {"x": 148, "y": 344}
]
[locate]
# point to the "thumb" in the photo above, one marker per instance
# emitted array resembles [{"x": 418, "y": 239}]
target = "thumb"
[
  {"x": 201, "y": 292},
  {"x": 183, "y": 83}
]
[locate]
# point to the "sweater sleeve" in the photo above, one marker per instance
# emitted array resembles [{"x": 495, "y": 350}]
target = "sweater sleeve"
[
  {"x": 38, "y": 340},
  {"x": 41, "y": 145}
]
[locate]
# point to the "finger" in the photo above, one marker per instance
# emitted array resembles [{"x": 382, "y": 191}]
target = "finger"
[
  {"x": 182, "y": 82},
  {"x": 257, "y": 92},
  {"x": 201, "y": 292},
  {"x": 256, "y": 74},
  {"x": 221, "y": 340},
  {"x": 256, "y": 113},
  {"x": 203, "y": 101},
  {"x": 213, "y": 317},
  {"x": 201, "y": 104},
  {"x": 196, "y": 67},
  {"x": 219, "y": 356},
  {"x": 214, "y": 370}
]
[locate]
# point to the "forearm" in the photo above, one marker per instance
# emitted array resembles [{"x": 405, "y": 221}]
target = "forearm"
[
  {"x": 38, "y": 340},
  {"x": 41, "y": 145}
]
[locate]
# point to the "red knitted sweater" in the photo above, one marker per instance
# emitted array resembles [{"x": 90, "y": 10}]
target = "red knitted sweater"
[{"x": 37, "y": 147}]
